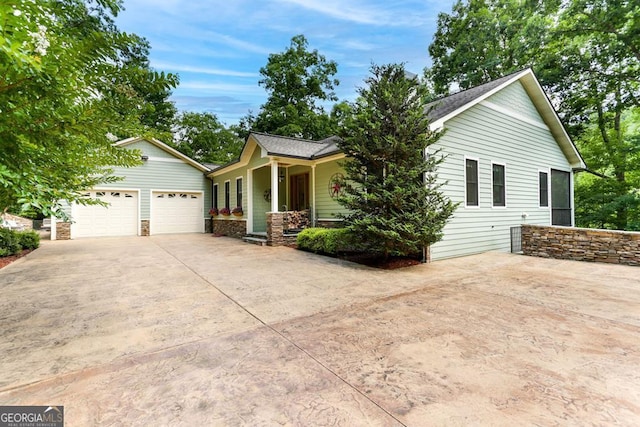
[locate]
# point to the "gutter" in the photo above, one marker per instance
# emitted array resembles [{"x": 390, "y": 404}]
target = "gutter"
[{"x": 598, "y": 174}]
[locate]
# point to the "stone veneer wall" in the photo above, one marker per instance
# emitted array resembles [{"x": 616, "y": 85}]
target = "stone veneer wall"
[
  {"x": 229, "y": 227},
  {"x": 276, "y": 230},
  {"x": 581, "y": 244},
  {"x": 144, "y": 227},
  {"x": 63, "y": 230},
  {"x": 208, "y": 225}
]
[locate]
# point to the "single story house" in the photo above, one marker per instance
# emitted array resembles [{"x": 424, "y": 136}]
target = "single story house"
[
  {"x": 508, "y": 161},
  {"x": 168, "y": 193}
]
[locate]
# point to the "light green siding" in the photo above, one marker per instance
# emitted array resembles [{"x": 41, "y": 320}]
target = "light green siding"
[
  {"x": 487, "y": 135},
  {"x": 162, "y": 171},
  {"x": 261, "y": 184},
  {"x": 326, "y": 206}
]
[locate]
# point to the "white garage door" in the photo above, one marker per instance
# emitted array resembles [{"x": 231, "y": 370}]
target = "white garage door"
[
  {"x": 120, "y": 218},
  {"x": 177, "y": 212}
]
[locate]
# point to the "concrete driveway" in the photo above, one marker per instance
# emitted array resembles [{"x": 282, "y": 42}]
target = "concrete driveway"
[{"x": 197, "y": 330}]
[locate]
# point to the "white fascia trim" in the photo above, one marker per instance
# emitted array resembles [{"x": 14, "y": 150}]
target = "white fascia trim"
[
  {"x": 439, "y": 124},
  {"x": 515, "y": 115},
  {"x": 581, "y": 163},
  {"x": 166, "y": 148}
]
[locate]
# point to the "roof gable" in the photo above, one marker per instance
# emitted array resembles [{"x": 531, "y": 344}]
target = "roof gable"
[
  {"x": 164, "y": 147},
  {"x": 442, "y": 110},
  {"x": 299, "y": 148}
]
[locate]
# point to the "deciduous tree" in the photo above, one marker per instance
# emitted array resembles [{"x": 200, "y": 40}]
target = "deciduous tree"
[
  {"x": 63, "y": 100},
  {"x": 202, "y": 137},
  {"x": 297, "y": 81}
]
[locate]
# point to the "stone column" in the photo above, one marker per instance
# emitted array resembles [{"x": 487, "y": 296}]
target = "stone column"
[{"x": 275, "y": 228}]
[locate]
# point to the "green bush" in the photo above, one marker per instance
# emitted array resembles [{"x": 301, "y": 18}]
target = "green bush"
[
  {"x": 329, "y": 241},
  {"x": 9, "y": 242},
  {"x": 29, "y": 239}
]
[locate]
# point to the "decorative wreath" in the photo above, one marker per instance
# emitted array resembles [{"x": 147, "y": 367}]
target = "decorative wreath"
[
  {"x": 267, "y": 195},
  {"x": 336, "y": 183}
]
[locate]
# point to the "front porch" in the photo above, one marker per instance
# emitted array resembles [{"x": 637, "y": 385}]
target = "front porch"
[{"x": 276, "y": 188}]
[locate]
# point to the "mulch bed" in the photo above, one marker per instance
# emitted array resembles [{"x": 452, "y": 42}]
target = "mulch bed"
[
  {"x": 377, "y": 261},
  {"x": 373, "y": 260},
  {"x": 4, "y": 261}
]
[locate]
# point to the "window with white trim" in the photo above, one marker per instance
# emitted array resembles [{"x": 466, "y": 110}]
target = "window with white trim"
[
  {"x": 498, "y": 185},
  {"x": 543, "y": 189},
  {"x": 215, "y": 196},
  {"x": 227, "y": 191},
  {"x": 471, "y": 180},
  {"x": 239, "y": 192}
]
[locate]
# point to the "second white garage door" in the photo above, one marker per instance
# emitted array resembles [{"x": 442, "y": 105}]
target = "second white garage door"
[{"x": 176, "y": 212}]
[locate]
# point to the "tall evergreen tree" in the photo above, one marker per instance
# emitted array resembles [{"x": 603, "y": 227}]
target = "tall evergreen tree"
[{"x": 391, "y": 191}]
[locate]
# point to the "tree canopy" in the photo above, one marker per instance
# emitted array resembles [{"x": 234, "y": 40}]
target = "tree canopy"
[
  {"x": 392, "y": 193},
  {"x": 203, "y": 138},
  {"x": 67, "y": 90},
  {"x": 586, "y": 53},
  {"x": 297, "y": 82}
]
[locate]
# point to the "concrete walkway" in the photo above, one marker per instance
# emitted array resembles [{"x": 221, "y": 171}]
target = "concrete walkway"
[{"x": 196, "y": 330}]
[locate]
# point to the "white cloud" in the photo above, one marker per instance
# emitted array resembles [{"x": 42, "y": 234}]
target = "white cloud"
[
  {"x": 363, "y": 12},
  {"x": 202, "y": 70},
  {"x": 252, "y": 89}
]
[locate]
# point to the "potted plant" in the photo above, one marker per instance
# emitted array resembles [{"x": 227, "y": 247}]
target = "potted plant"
[
  {"x": 213, "y": 212},
  {"x": 225, "y": 212},
  {"x": 237, "y": 211}
]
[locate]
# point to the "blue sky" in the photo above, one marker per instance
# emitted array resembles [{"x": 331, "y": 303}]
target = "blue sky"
[{"x": 217, "y": 47}]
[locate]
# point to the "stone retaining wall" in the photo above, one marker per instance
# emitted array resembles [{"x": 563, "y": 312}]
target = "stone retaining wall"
[
  {"x": 581, "y": 244},
  {"x": 230, "y": 227}
]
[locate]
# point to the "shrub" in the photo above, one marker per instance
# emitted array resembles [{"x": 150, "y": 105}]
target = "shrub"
[
  {"x": 9, "y": 242},
  {"x": 331, "y": 241},
  {"x": 29, "y": 239}
]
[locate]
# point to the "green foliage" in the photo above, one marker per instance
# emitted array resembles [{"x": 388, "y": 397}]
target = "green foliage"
[
  {"x": 203, "y": 138},
  {"x": 296, "y": 81},
  {"x": 586, "y": 54},
  {"x": 614, "y": 201},
  {"x": 9, "y": 242},
  {"x": 392, "y": 191},
  {"x": 67, "y": 91},
  {"x": 330, "y": 241},
  {"x": 481, "y": 40},
  {"x": 29, "y": 239}
]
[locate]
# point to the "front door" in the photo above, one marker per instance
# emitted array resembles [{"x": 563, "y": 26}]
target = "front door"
[
  {"x": 299, "y": 192},
  {"x": 561, "y": 198}
]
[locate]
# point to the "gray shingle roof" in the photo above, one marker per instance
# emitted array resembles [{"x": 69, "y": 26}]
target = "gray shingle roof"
[
  {"x": 296, "y": 147},
  {"x": 443, "y": 106}
]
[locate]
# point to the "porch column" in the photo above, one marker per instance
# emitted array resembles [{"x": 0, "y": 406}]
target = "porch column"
[
  {"x": 312, "y": 211},
  {"x": 249, "y": 201},
  {"x": 274, "y": 186}
]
